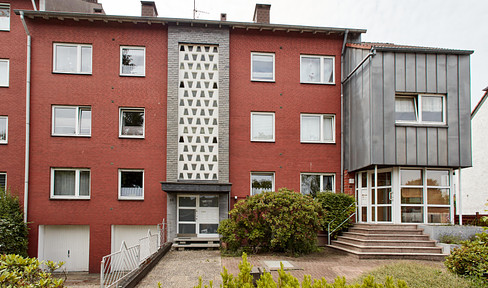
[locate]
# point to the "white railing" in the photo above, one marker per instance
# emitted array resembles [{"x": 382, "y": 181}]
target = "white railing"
[{"x": 122, "y": 264}]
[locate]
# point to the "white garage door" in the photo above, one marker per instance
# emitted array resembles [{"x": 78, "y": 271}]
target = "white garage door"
[
  {"x": 67, "y": 243},
  {"x": 130, "y": 234}
]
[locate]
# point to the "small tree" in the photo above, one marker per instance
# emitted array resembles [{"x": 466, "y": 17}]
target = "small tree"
[
  {"x": 13, "y": 229},
  {"x": 338, "y": 207}
]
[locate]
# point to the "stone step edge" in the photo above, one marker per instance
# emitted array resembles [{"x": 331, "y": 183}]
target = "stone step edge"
[
  {"x": 386, "y": 253},
  {"x": 180, "y": 239},
  {"x": 383, "y": 229},
  {"x": 409, "y": 226},
  {"x": 387, "y": 247},
  {"x": 383, "y": 240},
  {"x": 196, "y": 245},
  {"x": 387, "y": 235}
]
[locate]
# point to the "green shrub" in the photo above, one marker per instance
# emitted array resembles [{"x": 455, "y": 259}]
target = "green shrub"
[
  {"x": 471, "y": 258},
  {"x": 338, "y": 206},
  {"x": 282, "y": 221},
  {"x": 17, "y": 271},
  {"x": 13, "y": 230},
  {"x": 285, "y": 279}
]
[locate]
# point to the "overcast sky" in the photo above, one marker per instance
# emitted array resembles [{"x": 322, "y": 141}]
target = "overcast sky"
[{"x": 435, "y": 23}]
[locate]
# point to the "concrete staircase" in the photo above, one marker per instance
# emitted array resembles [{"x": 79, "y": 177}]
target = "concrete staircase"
[
  {"x": 388, "y": 241},
  {"x": 181, "y": 243}
]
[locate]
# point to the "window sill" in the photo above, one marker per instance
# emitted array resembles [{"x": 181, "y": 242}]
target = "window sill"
[
  {"x": 68, "y": 198},
  {"x": 263, "y": 141},
  {"x": 318, "y": 83},
  {"x": 259, "y": 80},
  {"x": 130, "y": 137},
  {"x": 70, "y": 135},
  {"x": 426, "y": 125},
  {"x": 72, "y": 73},
  {"x": 130, "y": 199},
  {"x": 317, "y": 142},
  {"x": 4, "y": 86},
  {"x": 3, "y": 143},
  {"x": 132, "y": 75}
]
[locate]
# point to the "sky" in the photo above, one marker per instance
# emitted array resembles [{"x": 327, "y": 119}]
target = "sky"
[{"x": 450, "y": 24}]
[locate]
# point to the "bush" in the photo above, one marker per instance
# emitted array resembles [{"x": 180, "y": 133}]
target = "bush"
[
  {"x": 338, "y": 206},
  {"x": 471, "y": 258},
  {"x": 245, "y": 280},
  {"x": 17, "y": 271},
  {"x": 13, "y": 229},
  {"x": 282, "y": 221}
]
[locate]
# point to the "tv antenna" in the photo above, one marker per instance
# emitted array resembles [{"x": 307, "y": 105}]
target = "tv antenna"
[{"x": 195, "y": 11}]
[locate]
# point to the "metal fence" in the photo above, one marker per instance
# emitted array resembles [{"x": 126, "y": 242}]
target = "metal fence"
[{"x": 122, "y": 264}]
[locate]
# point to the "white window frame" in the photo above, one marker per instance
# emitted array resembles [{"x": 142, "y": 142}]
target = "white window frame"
[
  {"x": 133, "y": 48},
  {"x": 274, "y": 125},
  {"x": 7, "y": 82},
  {"x": 321, "y": 136},
  {"x": 321, "y": 180},
  {"x": 274, "y": 69},
  {"x": 321, "y": 69},
  {"x": 78, "y": 56},
  {"x": 4, "y": 173},
  {"x": 77, "y": 119},
  {"x": 265, "y": 174},
  {"x": 77, "y": 184},
  {"x": 128, "y": 109},
  {"x": 418, "y": 109},
  {"x": 6, "y": 5},
  {"x": 6, "y": 130},
  {"x": 120, "y": 197}
]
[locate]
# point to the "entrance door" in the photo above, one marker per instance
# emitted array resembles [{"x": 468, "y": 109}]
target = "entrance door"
[
  {"x": 374, "y": 199},
  {"x": 198, "y": 215}
]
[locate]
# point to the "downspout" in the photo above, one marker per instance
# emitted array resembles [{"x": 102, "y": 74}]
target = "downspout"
[
  {"x": 34, "y": 5},
  {"x": 27, "y": 115},
  {"x": 342, "y": 110},
  {"x": 372, "y": 52}
]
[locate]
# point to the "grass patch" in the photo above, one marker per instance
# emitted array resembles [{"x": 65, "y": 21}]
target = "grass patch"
[{"x": 420, "y": 276}]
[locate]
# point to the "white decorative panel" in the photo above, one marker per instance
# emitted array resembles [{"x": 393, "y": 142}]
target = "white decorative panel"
[{"x": 198, "y": 95}]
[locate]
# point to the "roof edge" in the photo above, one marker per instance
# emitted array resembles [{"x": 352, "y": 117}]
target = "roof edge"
[
  {"x": 408, "y": 49},
  {"x": 480, "y": 103}
]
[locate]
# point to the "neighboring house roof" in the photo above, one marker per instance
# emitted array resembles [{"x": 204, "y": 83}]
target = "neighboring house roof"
[
  {"x": 480, "y": 103},
  {"x": 405, "y": 48},
  {"x": 159, "y": 20}
]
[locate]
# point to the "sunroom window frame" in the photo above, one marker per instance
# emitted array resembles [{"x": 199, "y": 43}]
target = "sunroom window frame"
[
  {"x": 418, "y": 109},
  {"x": 77, "y": 121},
  {"x": 79, "y": 60},
  {"x": 77, "y": 184},
  {"x": 321, "y": 128},
  {"x": 321, "y": 69}
]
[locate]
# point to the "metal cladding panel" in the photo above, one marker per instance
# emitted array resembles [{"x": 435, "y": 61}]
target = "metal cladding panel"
[
  {"x": 389, "y": 101},
  {"x": 410, "y": 72},
  {"x": 421, "y": 146},
  {"x": 442, "y": 145},
  {"x": 401, "y": 148},
  {"x": 400, "y": 72},
  {"x": 464, "y": 112},
  {"x": 431, "y": 73},
  {"x": 441, "y": 74},
  {"x": 421, "y": 73},
  {"x": 432, "y": 147},
  {"x": 377, "y": 112},
  {"x": 453, "y": 110},
  {"x": 411, "y": 140}
]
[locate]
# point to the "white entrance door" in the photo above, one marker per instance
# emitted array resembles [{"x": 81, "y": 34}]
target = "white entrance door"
[
  {"x": 198, "y": 215},
  {"x": 375, "y": 196},
  {"x": 67, "y": 243}
]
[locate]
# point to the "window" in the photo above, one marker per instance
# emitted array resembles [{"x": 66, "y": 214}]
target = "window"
[
  {"x": 3, "y": 181},
  {"x": 316, "y": 128},
  {"x": 420, "y": 109},
  {"x": 262, "y": 126},
  {"x": 132, "y": 61},
  {"x": 3, "y": 129},
  {"x": 262, "y": 67},
  {"x": 131, "y": 123},
  {"x": 317, "y": 69},
  {"x": 4, "y": 17},
  {"x": 131, "y": 184},
  {"x": 71, "y": 121},
  {"x": 72, "y": 58},
  {"x": 4, "y": 72},
  {"x": 312, "y": 183},
  {"x": 70, "y": 183},
  {"x": 262, "y": 182}
]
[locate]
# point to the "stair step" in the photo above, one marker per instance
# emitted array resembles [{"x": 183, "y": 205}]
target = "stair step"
[
  {"x": 387, "y": 242},
  {"x": 394, "y": 226},
  {"x": 196, "y": 245},
  {"x": 404, "y": 237},
  {"x": 383, "y": 255},
  {"x": 388, "y": 249},
  {"x": 386, "y": 230}
]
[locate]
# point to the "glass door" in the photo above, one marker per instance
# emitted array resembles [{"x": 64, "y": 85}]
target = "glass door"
[
  {"x": 198, "y": 215},
  {"x": 381, "y": 196},
  {"x": 187, "y": 215}
]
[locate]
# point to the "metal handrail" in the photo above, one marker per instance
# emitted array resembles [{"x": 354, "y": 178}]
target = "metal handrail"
[{"x": 328, "y": 225}]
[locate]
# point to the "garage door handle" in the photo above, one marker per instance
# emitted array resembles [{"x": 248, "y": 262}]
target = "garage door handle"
[{"x": 68, "y": 253}]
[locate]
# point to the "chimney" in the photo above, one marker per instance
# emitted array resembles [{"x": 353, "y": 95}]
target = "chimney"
[
  {"x": 261, "y": 13},
  {"x": 223, "y": 16},
  {"x": 148, "y": 9}
]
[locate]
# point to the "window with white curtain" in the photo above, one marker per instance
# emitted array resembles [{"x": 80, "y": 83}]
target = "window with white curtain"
[
  {"x": 4, "y": 17},
  {"x": 420, "y": 109},
  {"x": 263, "y": 67},
  {"x": 262, "y": 182},
  {"x": 317, "y": 69},
  {"x": 72, "y": 58},
  {"x": 262, "y": 126},
  {"x": 317, "y": 128},
  {"x": 132, "y": 61},
  {"x": 311, "y": 183},
  {"x": 71, "y": 121},
  {"x": 4, "y": 72},
  {"x": 131, "y": 184},
  {"x": 3, "y": 129},
  {"x": 3, "y": 181},
  {"x": 67, "y": 183}
]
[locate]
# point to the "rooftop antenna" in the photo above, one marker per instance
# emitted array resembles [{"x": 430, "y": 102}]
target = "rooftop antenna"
[{"x": 195, "y": 11}]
